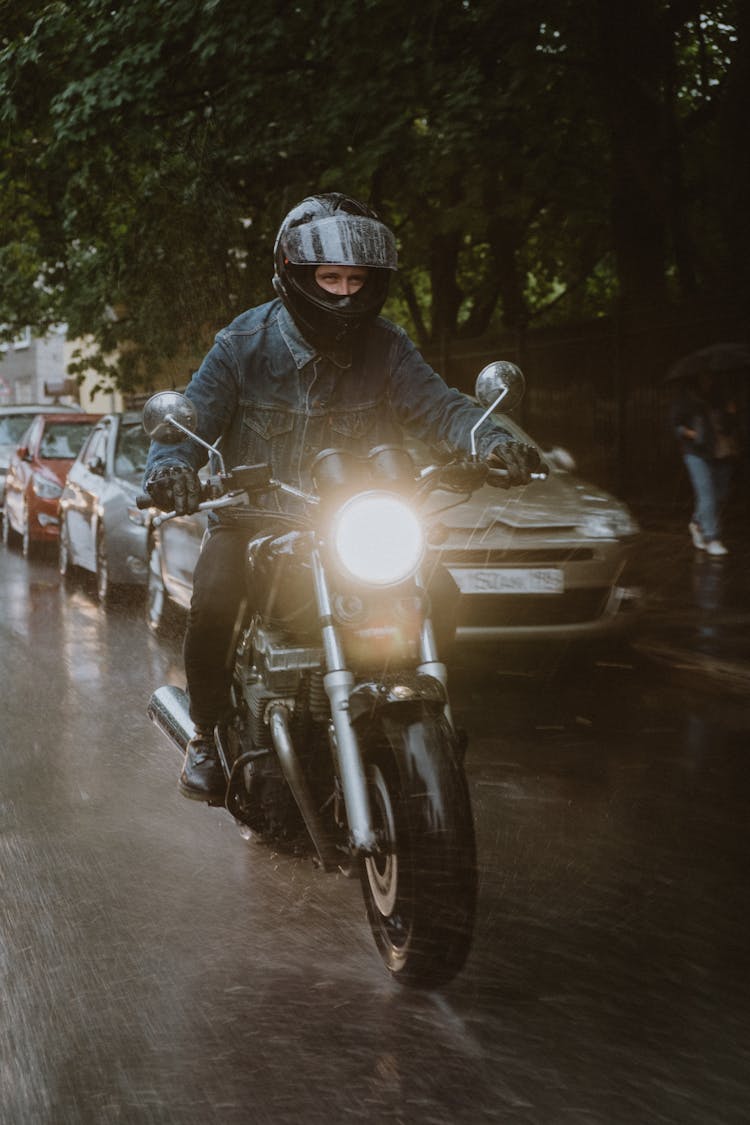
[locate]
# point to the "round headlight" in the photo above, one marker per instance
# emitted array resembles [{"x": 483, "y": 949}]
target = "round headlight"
[{"x": 378, "y": 539}]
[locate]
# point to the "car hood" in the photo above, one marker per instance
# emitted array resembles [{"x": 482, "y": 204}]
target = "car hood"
[{"x": 562, "y": 502}]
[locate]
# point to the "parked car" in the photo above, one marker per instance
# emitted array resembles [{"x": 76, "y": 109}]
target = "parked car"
[
  {"x": 101, "y": 530},
  {"x": 172, "y": 557},
  {"x": 14, "y": 422},
  {"x": 547, "y": 562},
  {"x": 36, "y": 476}
]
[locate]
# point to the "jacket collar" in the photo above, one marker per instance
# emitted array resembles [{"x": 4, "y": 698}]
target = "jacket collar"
[{"x": 303, "y": 352}]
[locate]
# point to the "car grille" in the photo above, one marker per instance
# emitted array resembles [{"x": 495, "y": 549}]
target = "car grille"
[
  {"x": 451, "y": 556},
  {"x": 516, "y": 611}
]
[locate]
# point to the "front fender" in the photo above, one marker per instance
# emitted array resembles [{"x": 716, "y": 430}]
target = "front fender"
[{"x": 401, "y": 691}]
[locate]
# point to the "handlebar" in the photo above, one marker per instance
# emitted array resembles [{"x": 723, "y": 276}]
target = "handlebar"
[
  {"x": 230, "y": 500},
  {"x": 467, "y": 475},
  {"x": 459, "y": 476},
  {"x": 245, "y": 479}
]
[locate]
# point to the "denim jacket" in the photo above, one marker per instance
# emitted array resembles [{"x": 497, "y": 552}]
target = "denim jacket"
[{"x": 273, "y": 398}]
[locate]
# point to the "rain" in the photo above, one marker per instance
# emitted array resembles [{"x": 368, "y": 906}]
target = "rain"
[{"x": 159, "y": 967}]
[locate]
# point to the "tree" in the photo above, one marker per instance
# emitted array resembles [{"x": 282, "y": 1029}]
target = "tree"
[{"x": 538, "y": 160}]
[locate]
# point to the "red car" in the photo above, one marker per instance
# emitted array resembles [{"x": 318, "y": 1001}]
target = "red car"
[{"x": 37, "y": 473}]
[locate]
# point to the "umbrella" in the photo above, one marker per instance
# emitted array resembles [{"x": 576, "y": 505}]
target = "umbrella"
[{"x": 716, "y": 359}]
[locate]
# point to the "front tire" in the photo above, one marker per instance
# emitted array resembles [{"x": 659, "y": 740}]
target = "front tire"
[
  {"x": 64, "y": 562},
  {"x": 106, "y": 590},
  {"x": 420, "y": 888},
  {"x": 10, "y": 535},
  {"x": 161, "y": 613},
  {"x": 29, "y": 546}
]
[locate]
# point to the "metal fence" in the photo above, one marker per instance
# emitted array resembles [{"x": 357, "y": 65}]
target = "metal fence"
[{"x": 598, "y": 390}]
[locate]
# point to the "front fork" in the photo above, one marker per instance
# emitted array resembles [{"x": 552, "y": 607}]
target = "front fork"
[{"x": 339, "y": 683}]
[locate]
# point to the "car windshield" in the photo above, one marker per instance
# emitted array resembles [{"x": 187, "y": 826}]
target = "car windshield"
[
  {"x": 13, "y": 427},
  {"x": 62, "y": 440},
  {"x": 132, "y": 450}
]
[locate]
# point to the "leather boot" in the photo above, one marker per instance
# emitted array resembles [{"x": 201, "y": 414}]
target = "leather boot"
[{"x": 202, "y": 778}]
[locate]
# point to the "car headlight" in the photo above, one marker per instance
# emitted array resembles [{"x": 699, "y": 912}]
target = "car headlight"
[
  {"x": 377, "y": 539},
  {"x": 45, "y": 487},
  {"x": 617, "y": 524}
]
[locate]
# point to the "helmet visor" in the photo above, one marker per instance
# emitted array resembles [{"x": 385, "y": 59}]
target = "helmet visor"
[{"x": 341, "y": 240}]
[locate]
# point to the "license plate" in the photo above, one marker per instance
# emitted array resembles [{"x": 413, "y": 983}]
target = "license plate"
[{"x": 506, "y": 580}]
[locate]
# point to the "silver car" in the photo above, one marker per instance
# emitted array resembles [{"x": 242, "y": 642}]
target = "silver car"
[
  {"x": 101, "y": 529},
  {"x": 546, "y": 562},
  {"x": 172, "y": 557}
]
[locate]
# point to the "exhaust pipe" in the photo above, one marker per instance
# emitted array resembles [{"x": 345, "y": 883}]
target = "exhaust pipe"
[
  {"x": 168, "y": 708},
  {"x": 278, "y": 717}
]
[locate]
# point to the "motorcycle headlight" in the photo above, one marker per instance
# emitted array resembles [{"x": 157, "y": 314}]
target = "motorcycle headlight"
[
  {"x": 45, "y": 487},
  {"x": 377, "y": 539}
]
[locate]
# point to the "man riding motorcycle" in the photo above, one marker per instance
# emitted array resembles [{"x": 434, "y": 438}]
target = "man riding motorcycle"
[{"x": 316, "y": 367}]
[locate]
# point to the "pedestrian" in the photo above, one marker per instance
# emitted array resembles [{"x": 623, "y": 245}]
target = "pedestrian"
[
  {"x": 704, "y": 419},
  {"x": 315, "y": 367}
]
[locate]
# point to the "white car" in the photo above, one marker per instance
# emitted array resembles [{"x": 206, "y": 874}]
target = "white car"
[{"x": 101, "y": 528}]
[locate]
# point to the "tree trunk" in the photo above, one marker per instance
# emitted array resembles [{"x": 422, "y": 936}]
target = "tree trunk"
[{"x": 631, "y": 58}]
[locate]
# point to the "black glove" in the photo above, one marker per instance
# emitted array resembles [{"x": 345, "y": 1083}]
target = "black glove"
[
  {"x": 518, "y": 459},
  {"x": 175, "y": 486}
]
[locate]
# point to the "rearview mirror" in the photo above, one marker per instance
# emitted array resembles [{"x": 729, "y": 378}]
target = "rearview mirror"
[
  {"x": 559, "y": 458},
  {"x": 500, "y": 384},
  {"x": 167, "y": 415}
]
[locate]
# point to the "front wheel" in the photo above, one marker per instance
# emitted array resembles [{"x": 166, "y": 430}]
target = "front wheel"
[
  {"x": 28, "y": 545},
  {"x": 104, "y": 587},
  {"x": 420, "y": 888},
  {"x": 10, "y": 536},
  {"x": 64, "y": 561},
  {"x": 161, "y": 613}
]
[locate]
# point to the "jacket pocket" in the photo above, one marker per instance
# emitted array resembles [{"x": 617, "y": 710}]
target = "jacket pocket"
[
  {"x": 267, "y": 424},
  {"x": 354, "y": 424}
]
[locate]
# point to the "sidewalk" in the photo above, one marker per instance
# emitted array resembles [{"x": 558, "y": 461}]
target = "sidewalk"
[{"x": 696, "y": 620}]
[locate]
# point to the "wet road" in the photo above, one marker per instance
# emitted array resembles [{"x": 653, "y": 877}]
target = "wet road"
[{"x": 157, "y": 968}]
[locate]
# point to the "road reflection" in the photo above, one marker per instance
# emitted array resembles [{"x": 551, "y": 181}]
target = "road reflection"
[{"x": 156, "y": 967}]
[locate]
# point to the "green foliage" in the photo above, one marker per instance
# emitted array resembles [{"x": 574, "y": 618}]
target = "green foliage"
[{"x": 150, "y": 149}]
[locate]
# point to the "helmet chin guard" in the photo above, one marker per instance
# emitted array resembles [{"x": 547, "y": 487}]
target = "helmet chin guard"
[{"x": 332, "y": 229}]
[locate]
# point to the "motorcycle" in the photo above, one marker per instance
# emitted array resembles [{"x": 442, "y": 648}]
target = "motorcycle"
[{"x": 341, "y": 729}]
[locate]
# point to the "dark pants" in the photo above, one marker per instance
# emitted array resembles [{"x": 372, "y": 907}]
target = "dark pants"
[
  {"x": 217, "y": 612},
  {"x": 221, "y": 604}
]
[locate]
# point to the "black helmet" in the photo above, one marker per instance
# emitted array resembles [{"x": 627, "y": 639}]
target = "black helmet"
[{"x": 332, "y": 229}]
